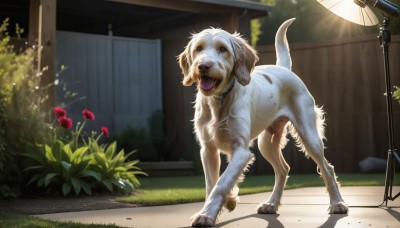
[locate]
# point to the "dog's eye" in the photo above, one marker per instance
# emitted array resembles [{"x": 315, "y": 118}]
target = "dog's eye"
[
  {"x": 222, "y": 49},
  {"x": 199, "y": 48}
]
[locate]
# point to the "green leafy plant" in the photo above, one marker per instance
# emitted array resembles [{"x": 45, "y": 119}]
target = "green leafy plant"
[
  {"x": 72, "y": 163},
  {"x": 115, "y": 168},
  {"x": 61, "y": 167}
]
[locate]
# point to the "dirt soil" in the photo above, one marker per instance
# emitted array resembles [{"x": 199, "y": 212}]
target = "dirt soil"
[{"x": 53, "y": 204}]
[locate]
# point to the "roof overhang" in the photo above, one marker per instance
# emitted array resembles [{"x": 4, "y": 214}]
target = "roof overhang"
[
  {"x": 135, "y": 18},
  {"x": 254, "y": 9}
]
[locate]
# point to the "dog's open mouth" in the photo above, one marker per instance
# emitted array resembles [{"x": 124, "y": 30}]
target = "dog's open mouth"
[{"x": 208, "y": 83}]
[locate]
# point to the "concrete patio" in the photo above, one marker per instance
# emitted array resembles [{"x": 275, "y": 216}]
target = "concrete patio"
[{"x": 304, "y": 207}]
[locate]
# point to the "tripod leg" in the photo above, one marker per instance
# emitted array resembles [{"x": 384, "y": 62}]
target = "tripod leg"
[
  {"x": 389, "y": 178},
  {"x": 396, "y": 156}
]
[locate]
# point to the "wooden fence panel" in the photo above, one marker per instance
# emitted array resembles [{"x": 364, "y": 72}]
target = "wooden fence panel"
[
  {"x": 137, "y": 81},
  {"x": 119, "y": 79},
  {"x": 346, "y": 77}
]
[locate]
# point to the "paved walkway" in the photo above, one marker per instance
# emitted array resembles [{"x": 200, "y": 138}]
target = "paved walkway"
[{"x": 305, "y": 207}]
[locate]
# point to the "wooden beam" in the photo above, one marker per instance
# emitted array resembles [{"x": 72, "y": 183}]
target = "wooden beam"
[{"x": 42, "y": 34}]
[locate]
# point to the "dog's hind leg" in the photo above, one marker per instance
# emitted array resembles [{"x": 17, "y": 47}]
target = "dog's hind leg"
[
  {"x": 270, "y": 145},
  {"x": 308, "y": 132}
]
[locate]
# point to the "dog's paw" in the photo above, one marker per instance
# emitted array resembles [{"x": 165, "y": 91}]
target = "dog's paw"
[
  {"x": 202, "y": 220},
  {"x": 267, "y": 208},
  {"x": 339, "y": 208},
  {"x": 231, "y": 203}
]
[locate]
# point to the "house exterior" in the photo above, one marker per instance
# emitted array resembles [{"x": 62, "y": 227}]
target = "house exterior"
[{"x": 120, "y": 55}]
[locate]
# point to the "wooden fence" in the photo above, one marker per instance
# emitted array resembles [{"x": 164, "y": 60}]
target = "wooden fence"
[{"x": 346, "y": 77}]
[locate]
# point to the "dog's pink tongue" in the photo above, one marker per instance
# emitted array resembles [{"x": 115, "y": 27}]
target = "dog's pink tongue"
[{"x": 207, "y": 83}]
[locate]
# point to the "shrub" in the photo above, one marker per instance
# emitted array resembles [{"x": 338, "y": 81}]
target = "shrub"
[
  {"x": 22, "y": 121},
  {"x": 160, "y": 141},
  {"x": 136, "y": 138}
]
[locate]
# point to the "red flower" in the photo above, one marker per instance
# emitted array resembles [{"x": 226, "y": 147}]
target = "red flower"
[
  {"x": 105, "y": 132},
  {"x": 88, "y": 115},
  {"x": 65, "y": 122},
  {"x": 60, "y": 112}
]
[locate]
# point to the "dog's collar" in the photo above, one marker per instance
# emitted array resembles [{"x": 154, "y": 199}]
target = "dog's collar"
[{"x": 226, "y": 93}]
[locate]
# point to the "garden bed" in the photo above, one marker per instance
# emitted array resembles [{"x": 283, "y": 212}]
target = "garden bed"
[
  {"x": 167, "y": 168},
  {"x": 57, "y": 204}
]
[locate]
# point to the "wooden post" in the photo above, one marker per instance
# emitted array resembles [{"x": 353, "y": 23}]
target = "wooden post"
[
  {"x": 231, "y": 23},
  {"x": 42, "y": 34}
]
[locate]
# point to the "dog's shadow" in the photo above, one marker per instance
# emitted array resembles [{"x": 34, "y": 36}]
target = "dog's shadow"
[
  {"x": 332, "y": 220},
  {"x": 273, "y": 221}
]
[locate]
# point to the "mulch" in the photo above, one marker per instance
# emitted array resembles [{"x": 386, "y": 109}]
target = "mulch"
[{"x": 56, "y": 204}]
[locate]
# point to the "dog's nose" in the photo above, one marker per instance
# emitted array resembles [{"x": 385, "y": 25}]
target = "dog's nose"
[{"x": 204, "y": 67}]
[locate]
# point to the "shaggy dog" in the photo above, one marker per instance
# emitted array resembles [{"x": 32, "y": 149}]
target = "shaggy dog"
[{"x": 238, "y": 102}]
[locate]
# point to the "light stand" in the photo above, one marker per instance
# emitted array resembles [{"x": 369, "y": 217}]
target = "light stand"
[
  {"x": 384, "y": 39},
  {"x": 390, "y": 10}
]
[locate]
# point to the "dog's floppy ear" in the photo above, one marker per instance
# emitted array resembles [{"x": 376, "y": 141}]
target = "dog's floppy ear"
[
  {"x": 245, "y": 58},
  {"x": 185, "y": 62}
]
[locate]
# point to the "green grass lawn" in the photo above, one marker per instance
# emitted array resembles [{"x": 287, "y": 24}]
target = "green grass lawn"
[{"x": 174, "y": 190}]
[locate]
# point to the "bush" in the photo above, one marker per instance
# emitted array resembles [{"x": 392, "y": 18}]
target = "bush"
[
  {"x": 22, "y": 119},
  {"x": 151, "y": 145},
  {"x": 136, "y": 139},
  {"x": 396, "y": 94},
  {"x": 159, "y": 140}
]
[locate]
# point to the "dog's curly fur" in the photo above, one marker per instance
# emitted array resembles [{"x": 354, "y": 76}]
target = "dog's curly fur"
[{"x": 238, "y": 102}]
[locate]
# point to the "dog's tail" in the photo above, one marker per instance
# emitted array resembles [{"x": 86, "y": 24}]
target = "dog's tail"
[{"x": 282, "y": 47}]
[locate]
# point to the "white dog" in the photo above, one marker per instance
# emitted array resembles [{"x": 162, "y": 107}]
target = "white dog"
[{"x": 238, "y": 102}]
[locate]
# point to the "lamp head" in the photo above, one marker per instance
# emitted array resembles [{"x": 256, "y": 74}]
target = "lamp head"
[
  {"x": 359, "y": 12},
  {"x": 386, "y": 7},
  {"x": 355, "y": 11}
]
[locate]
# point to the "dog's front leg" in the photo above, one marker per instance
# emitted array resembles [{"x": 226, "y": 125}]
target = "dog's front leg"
[
  {"x": 211, "y": 164},
  {"x": 241, "y": 156}
]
